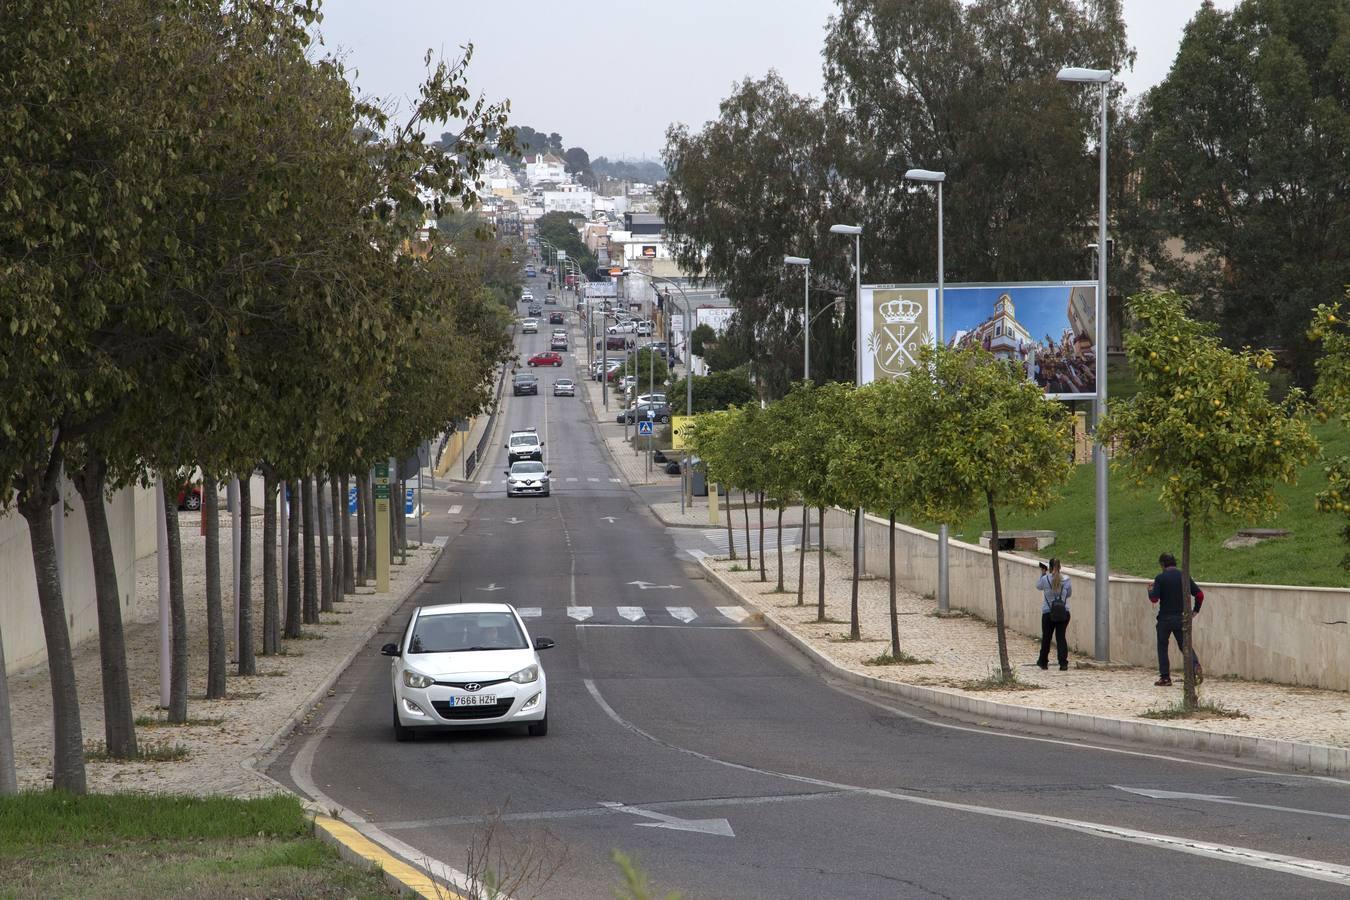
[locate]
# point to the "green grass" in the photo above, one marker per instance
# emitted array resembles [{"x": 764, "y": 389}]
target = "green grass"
[
  {"x": 143, "y": 846},
  {"x": 161, "y": 722},
  {"x": 1141, "y": 529},
  {"x": 904, "y": 659},
  {"x": 146, "y": 751},
  {"x": 997, "y": 682},
  {"x": 1202, "y": 710}
]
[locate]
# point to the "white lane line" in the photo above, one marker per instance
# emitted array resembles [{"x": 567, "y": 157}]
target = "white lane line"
[
  {"x": 528, "y": 612},
  {"x": 735, "y": 613},
  {"x": 580, "y": 613},
  {"x": 632, "y": 613},
  {"x": 683, "y": 613},
  {"x": 485, "y": 482},
  {"x": 592, "y": 479},
  {"x": 456, "y": 509},
  {"x": 571, "y": 479},
  {"x": 1228, "y": 801},
  {"x": 1275, "y": 862}
]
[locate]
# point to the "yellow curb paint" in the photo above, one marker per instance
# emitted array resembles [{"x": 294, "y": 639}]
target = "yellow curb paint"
[{"x": 409, "y": 878}]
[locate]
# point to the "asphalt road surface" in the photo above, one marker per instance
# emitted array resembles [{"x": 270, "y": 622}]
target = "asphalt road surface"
[{"x": 717, "y": 757}]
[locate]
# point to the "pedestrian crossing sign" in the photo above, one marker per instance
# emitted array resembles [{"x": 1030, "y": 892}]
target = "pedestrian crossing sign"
[{"x": 645, "y": 429}]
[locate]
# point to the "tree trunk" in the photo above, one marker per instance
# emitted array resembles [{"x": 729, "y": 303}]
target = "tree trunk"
[
  {"x": 749, "y": 554},
  {"x": 67, "y": 739},
  {"x": 336, "y": 510},
  {"x": 215, "y": 613},
  {"x": 1005, "y": 668},
  {"x": 360, "y": 533},
  {"x": 178, "y": 639},
  {"x": 1189, "y": 697},
  {"x": 371, "y": 526},
  {"x": 801, "y": 555},
  {"x": 348, "y": 569},
  {"x": 309, "y": 608},
  {"x": 119, "y": 725},
  {"x": 820, "y": 575},
  {"x": 271, "y": 636},
  {"x": 9, "y": 779},
  {"x": 895, "y": 616},
  {"x": 780, "y": 547},
  {"x": 293, "y": 587},
  {"x": 854, "y": 626},
  {"x": 763, "y": 575},
  {"x": 325, "y": 570},
  {"x": 247, "y": 664},
  {"x": 731, "y": 527}
]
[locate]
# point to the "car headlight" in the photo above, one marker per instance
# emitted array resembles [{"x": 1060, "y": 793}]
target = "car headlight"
[
  {"x": 526, "y": 675},
  {"x": 417, "y": 679}
]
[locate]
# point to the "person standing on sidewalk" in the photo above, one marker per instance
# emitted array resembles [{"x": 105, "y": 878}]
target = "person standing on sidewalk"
[
  {"x": 1166, "y": 593},
  {"x": 1056, "y": 588}
]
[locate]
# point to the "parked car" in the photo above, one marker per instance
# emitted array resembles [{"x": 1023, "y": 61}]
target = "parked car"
[
  {"x": 467, "y": 664},
  {"x": 546, "y": 358},
  {"x": 651, "y": 398},
  {"x": 190, "y": 497},
  {"x": 524, "y": 444},
  {"x": 527, "y": 478},
  {"x": 622, "y": 328},
  {"x": 529, "y": 326},
  {"x": 645, "y": 327},
  {"x": 524, "y": 383},
  {"x": 660, "y": 413},
  {"x": 564, "y": 387},
  {"x": 613, "y": 342}
]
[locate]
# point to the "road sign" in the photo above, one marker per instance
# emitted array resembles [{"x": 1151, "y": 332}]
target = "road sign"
[
  {"x": 351, "y": 500},
  {"x": 645, "y": 428},
  {"x": 408, "y": 503},
  {"x": 680, "y": 427}
]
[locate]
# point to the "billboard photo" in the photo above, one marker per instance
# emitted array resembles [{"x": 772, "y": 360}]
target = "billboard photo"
[{"x": 1050, "y": 329}]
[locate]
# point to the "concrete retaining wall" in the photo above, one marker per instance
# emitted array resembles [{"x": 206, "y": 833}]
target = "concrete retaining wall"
[{"x": 1277, "y": 632}]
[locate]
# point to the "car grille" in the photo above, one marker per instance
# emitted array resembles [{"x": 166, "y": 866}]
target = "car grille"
[{"x": 446, "y": 711}]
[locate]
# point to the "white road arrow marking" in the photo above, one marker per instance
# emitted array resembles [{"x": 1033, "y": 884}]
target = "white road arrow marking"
[
  {"x": 492, "y": 587},
  {"x": 580, "y": 613},
  {"x": 735, "y": 613},
  {"x": 683, "y": 613},
  {"x": 632, "y": 613},
  {"x": 456, "y": 509},
  {"x": 528, "y": 612},
  {"x": 514, "y": 521},
  {"x": 1226, "y": 801},
  {"x": 609, "y": 519},
  {"x": 703, "y": 826},
  {"x": 648, "y": 586}
]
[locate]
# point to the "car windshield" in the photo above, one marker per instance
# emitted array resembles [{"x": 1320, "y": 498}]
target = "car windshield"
[
  {"x": 563, "y": 382},
  {"x": 518, "y": 440},
  {"x": 524, "y": 378},
  {"x": 455, "y": 632},
  {"x": 527, "y": 468}
]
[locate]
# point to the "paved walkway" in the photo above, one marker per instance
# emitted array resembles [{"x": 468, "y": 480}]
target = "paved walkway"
[
  {"x": 960, "y": 650},
  {"x": 226, "y": 732}
]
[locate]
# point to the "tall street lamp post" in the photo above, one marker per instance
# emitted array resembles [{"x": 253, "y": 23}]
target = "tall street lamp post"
[
  {"x": 856, "y": 231},
  {"x": 806, "y": 311},
  {"x": 1102, "y": 571},
  {"x": 928, "y": 176}
]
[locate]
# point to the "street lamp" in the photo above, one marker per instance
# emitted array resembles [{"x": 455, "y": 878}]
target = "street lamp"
[
  {"x": 928, "y": 176},
  {"x": 860, "y": 548},
  {"x": 1102, "y": 571},
  {"x": 806, "y": 314}
]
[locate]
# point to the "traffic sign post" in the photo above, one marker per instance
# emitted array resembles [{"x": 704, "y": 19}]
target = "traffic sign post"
[{"x": 382, "y": 523}]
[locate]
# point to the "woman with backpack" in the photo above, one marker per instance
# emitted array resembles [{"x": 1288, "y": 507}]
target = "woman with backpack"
[{"x": 1056, "y": 588}]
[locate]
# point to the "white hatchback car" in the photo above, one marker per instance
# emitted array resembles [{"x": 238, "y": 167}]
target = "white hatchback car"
[{"x": 467, "y": 665}]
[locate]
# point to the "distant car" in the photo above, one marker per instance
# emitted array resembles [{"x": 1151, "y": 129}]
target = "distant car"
[
  {"x": 524, "y": 383},
  {"x": 558, "y": 342},
  {"x": 524, "y": 444},
  {"x": 651, "y": 398},
  {"x": 529, "y": 326},
  {"x": 564, "y": 387},
  {"x": 526, "y": 478},
  {"x": 550, "y": 299},
  {"x": 660, "y": 413},
  {"x": 526, "y": 296},
  {"x": 622, "y": 328},
  {"x": 536, "y": 309},
  {"x": 646, "y": 327},
  {"x": 467, "y": 665},
  {"x": 547, "y": 358},
  {"x": 613, "y": 342},
  {"x": 555, "y": 318}
]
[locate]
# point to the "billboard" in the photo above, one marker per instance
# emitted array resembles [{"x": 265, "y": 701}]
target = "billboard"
[
  {"x": 649, "y": 251},
  {"x": 1048, "y": 328}
]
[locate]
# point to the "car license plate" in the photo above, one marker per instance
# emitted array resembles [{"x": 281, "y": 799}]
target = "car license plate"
[{"x": 474, "y": 700}]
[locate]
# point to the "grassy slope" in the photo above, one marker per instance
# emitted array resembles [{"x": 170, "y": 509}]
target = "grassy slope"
[{"x": 1141, "y": 529}]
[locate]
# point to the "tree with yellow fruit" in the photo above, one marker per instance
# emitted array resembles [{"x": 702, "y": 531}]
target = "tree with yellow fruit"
[
  {"x": 1333, "y": 399},
  {"x": 1203, "y": 427}
]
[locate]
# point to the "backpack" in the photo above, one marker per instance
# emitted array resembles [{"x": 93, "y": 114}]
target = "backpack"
[{"x": 1059, "y": 610}]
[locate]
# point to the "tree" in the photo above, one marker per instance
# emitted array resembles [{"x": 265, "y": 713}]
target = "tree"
[
  {"x": 979, "y": 435},
  {"x": 578, "y": 162},
  {"x": 774, "y": 428},
  {"x": 557, "y": 229},
  {"x": 856, "y": 456},
  {"x": 708, "y": 440},
  {"x": 719, "y": 390},
  {"x": 650, "y": 369},
  {"x": 1333, "y": 396},
  {"x": 1242, "y": 157},
  {"x": 1204, "y": 428},
  {"x": 701, "y": 336}
]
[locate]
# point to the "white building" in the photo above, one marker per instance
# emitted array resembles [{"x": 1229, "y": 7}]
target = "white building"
[
  {"x": 577, "y": 200},
  {"x": 545, "y": 167}
]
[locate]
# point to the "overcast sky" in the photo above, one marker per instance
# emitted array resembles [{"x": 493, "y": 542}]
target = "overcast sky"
[{"x": 611, "y": 78}]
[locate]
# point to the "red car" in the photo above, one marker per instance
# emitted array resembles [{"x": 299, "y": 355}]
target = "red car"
[{"x": 547, "y": 358}]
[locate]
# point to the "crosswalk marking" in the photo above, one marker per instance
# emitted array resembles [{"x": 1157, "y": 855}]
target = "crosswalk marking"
[
  {"x": 456, "y": 509},
  {"x": 632, "y": 613},
  {"x": 571, "y": 479},
  {"x": 615, "y": 480},
  {"x": 735, "y": 613},
  {"x": 580, "y": 613},
  {"x": 592, "y": 479},
  {"x": 683, "y": 613},
  {"x": 528, "y": 612},
  {"x": 485, "y": 482}
]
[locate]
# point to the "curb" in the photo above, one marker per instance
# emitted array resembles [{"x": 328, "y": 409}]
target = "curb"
[
  {"x": 361, "y": 851},
  {"x": 254, "y": 762},
  {"x": 1318, "y": 759}
]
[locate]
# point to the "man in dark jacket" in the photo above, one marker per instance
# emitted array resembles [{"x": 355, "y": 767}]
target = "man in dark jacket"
[{"x": 1166, "y": 592}]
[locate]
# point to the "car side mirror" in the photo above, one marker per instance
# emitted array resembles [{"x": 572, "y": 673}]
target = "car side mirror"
[
  {"x": 390, "y": 650},
  {"x": 506, "y": 471},
  {"x": 541, "y": 443},
  {"x": 543, "y": 643},
  {"x": 548, "y": 471}
]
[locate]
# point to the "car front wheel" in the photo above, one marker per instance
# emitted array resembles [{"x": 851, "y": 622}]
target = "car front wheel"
[
  {"x": 402, "y": 733},
  {"x": 540, "y": 728},
  {"x": 192, "y": 502}
]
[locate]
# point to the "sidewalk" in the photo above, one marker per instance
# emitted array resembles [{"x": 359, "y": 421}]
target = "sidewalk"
[
  {"x": 633, "y": 467},
  {"x": 1283, "y": 725},
  {"x": 258, "y": 710},
  {"x": 696, "y": 516}
]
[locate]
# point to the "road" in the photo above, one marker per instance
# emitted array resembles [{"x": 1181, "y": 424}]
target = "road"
[{"x": 707, "y": 749}]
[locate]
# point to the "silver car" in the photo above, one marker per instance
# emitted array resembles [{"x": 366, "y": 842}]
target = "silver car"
[
  {"x": 564, "y": 387},
  {"x": 527, "y": 478}
]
